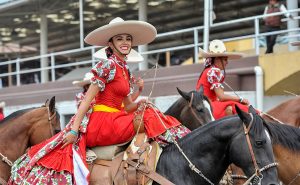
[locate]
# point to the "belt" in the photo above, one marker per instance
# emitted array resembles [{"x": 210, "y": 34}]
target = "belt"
[{"x": 104, "y": 108}]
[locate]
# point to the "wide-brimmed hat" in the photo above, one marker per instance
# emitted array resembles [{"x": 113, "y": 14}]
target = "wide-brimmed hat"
[
  {"x": 132, "y": 57},
  {"x": 86, "y": 80},
  {"x": 2, "y": 104},
  {"x": 218, "y": 49},
  {"x": 295, "y": 43},
  {"x": 141, "y": 32}
]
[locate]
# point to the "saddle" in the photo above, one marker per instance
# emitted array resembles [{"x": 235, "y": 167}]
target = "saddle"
[{"x": 132, "y": 165}]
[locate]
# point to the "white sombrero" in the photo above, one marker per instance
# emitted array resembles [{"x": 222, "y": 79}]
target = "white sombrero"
[
  {"x": 141, "y": 32},
  {"x": 217, "y": 49},
  {"x": 296, "y": 43},
  {"x": 132, "y": 57},
  {"x": 2, "y": 104},
  {"x": 86, "y": 80}
]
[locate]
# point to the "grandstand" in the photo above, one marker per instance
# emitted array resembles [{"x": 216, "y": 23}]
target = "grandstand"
[{"x": 47, "y": 34}]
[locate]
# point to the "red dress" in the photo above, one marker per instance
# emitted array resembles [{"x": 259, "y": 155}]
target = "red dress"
[
  {"x": 210, "y": 79},
  {"x": 1, "y": 116},
  {"x": 107, "y": 128}
]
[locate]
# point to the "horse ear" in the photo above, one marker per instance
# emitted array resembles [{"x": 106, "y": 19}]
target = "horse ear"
[
  {"x": 185, "y": 95},
  {"x": 52, "y": 104},
  {"x": 252, "y": 110},
  {"x": 245, "y": 117},
  {"x": 201, "y": 89}
]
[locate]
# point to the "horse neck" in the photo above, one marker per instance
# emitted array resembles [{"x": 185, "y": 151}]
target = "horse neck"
[
  {"x": 15, "y": 134},
  {"x": 287, "y": 112},
  {"x": 176, "y": 108},
  {"x": 289, "y": 166},
  {"x": 208, "y": 143}
]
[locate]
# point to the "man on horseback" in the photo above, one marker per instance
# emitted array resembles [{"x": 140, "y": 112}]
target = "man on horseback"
[
  {"x": 214, "y": 75},
  {"x": 107, "y": 122}
]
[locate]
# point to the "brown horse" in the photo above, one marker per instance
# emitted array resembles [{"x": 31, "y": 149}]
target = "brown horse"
[
  {"x": 287, "y": 112},
  {"x": 23, "y": 129}
]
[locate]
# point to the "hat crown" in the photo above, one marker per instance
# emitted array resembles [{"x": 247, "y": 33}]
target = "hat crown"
[
  {"x": 217, "y": 46},
  {"x": 116, "y": 20}
]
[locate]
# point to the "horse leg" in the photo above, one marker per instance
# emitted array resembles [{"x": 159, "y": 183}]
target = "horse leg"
[
  {"x": 229, "y": 110},
  {"x": 237, "y": 175}
]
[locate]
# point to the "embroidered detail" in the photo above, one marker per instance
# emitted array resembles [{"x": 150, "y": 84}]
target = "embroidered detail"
[
  {"x": 215, "y": 78},
  {"x": 104, "y": 72}
]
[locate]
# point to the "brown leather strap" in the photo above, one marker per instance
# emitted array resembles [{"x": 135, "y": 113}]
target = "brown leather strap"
[
  {"x": 115, "y": 165},
  {"x": 131, "y": 175},
  {"x": 103, "y": 162},
  {"x": 149, "y": 173}
]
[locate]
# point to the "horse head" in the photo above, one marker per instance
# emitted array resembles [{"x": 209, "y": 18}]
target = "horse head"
[
  {"x": 46, "y": 122},
  {"x": 197, "y": 110},
  {"x": 252, "y": 150}
]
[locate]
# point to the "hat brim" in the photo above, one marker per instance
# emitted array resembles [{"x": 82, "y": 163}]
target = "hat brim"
[
  {"x": 296, "y": 43},
  {"x": 141, "y": 32},
  {"x": 81, "y": 83},
  {"x": 230, "y": 55},
  {"x": 132, "y": 57}
]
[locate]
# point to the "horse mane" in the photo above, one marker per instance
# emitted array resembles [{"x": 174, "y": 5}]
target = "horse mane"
[
  {"x": 285, "y": 135},
  {"x": 16, "y": 114}
]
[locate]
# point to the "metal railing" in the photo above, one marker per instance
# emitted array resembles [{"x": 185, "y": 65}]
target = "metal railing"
[{"x": 53, "y": 66}]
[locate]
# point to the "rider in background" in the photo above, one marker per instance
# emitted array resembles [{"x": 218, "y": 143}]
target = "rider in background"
[
  {"x": 214, "y": 75},
  {"x": 2, "y": 105}
]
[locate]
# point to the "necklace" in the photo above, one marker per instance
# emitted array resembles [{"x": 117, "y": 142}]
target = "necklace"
[{"x": 122, "y": 66}]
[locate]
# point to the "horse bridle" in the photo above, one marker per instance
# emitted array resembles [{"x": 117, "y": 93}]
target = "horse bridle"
[
  {"x": 50, "y": 118},
  {"x": 193, "y": 111},
  {"x": 257, "y": 176}
]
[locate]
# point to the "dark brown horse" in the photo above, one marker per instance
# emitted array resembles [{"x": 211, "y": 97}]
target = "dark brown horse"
[
  {"x": 193, "y": 109},
  {"x": 23, "y": 129},
  {"x": 287, "y": 112}
]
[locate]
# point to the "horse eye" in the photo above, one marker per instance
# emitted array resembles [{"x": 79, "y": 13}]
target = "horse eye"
[
  {"x": 260, "y": 143},
  {"x": 200, "y": 110}
]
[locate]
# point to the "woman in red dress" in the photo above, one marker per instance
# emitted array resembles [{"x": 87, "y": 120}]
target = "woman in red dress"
[
  {"x": 61, "y": 159},
  {"x": 212, "y": 78}
]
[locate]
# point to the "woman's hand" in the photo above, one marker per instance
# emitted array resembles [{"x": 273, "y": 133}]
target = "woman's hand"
[
  {"x": 69, "y": 138},
  {"x": 140, "y": 83},
  {"x": 245, "y": 102}
]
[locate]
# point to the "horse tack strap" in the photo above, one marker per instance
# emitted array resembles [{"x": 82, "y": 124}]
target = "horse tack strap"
[
  {"x": 250, "y": 148},
  {"x": 149, "y": 173}
]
